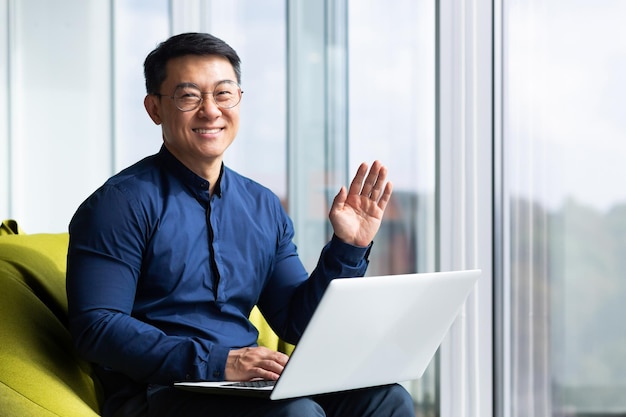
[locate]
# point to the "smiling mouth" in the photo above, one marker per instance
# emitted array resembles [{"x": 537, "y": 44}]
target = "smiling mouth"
[{"x": 207, "y": 131}]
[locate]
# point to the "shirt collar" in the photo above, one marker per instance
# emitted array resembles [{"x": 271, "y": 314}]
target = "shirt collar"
[{"x": 187, "y": 176}]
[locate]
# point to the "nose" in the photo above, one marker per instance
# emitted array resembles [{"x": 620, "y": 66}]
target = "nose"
[{"x": 208, "y": 106}]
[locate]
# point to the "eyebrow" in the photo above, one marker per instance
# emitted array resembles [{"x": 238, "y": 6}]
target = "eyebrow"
[
  {"x": 194, "y": 85},
  {"x": 187, "y": 84}
]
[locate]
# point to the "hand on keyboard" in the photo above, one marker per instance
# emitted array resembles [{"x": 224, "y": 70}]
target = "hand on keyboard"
[{"x": 252, "y": 363}]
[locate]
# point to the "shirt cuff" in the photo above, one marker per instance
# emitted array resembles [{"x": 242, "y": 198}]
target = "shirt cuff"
[
  {"x": 217, "y": 363},
  {"x": 349, "y": 254}
]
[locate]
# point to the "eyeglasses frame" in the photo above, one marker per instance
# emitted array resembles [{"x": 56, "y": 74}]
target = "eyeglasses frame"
[{"x": 202, "y": 94}]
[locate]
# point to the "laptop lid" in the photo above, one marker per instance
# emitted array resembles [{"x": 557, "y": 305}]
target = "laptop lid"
[{"x": 369, "y": 331}]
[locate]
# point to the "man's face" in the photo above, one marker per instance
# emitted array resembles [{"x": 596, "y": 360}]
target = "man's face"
[{"x": 197, "y": 138}]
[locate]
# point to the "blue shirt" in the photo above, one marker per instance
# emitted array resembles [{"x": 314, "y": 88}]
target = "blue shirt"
[{"x": 161, "y": 276}]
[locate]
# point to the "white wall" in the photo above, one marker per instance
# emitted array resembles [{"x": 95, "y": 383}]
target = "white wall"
[
  {"x": 58, "y": 109},
  {"x": 71, "y": 110}
]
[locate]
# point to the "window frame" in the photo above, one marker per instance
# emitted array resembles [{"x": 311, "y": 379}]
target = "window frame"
[{"x": 465, "y": 195}]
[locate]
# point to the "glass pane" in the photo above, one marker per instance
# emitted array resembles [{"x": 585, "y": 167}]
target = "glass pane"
[
  {"x": 564, "y": 148},
  {"x": 392, "y": 118}
]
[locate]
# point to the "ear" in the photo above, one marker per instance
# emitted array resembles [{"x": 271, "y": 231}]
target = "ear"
[{"x": 152, "y": 104}]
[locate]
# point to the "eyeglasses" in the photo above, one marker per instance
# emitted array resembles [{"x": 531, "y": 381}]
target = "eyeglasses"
[{"x": 188, "y": 97}]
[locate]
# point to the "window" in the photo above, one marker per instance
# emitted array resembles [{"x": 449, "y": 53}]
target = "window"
[
  {"x": 565, "y": 210},
  {"x": 392, "y": 118}
]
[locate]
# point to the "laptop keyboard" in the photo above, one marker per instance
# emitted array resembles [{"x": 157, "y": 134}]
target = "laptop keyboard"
[{"x": 252, "y": 384}]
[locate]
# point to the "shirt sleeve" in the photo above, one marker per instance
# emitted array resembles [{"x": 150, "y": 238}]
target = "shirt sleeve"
[
  {"x": 291, "y": 295},
  {"x": 107, "y": 238}
]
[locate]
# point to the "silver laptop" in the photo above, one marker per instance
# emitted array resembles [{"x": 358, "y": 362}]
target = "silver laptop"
[{"x": 365, "y": 332}]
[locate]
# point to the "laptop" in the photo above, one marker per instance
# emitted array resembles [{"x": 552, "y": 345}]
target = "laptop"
[{"x": 365, "y": 332}]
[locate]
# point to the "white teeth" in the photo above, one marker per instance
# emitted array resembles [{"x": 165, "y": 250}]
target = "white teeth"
[{"x": 207, "y": 131}]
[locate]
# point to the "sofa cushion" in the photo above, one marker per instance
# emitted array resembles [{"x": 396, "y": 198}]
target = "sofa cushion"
[{"x": 40, "y": 373}]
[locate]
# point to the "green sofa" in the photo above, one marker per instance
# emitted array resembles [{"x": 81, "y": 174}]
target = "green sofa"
[{"x": 40, "y": 372}]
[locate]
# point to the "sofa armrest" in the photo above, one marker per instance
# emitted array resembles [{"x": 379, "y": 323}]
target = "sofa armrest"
[{"x": 40, "y": 373}]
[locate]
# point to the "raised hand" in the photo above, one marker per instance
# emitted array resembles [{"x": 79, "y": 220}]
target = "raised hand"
[{"x": 356, "y": 214}]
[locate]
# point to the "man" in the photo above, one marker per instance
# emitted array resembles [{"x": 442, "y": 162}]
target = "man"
[{"x": 168, "y": 257}]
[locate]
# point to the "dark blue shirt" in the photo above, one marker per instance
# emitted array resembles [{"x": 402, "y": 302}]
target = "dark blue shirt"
[{"x": 162, "y": 276}]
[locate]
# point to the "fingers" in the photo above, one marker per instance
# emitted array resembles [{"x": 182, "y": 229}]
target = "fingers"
[
  {"x": 386, "y": 196},
  {"x": 371, "y": 185},
  {"x": 265, "y": 363},
  {"x": 375, "y": 182},
  {"x": 357, "y": 182},
  {"x": 253, "y": 363}
]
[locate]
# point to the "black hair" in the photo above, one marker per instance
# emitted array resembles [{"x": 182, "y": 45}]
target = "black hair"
[{"x": 185, "y": 44}]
